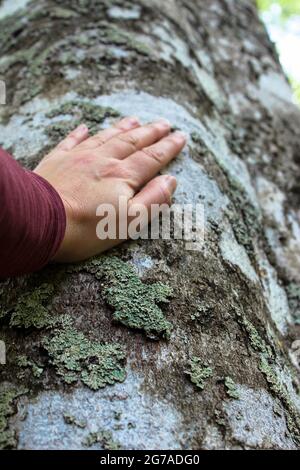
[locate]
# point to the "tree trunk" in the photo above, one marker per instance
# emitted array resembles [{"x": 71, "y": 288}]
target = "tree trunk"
[{"x": 154, "y": 346}]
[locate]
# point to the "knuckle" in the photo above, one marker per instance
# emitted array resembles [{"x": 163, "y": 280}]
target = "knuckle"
[
  {"x": 98, "y": 140},
  {"x": 121, "y": 126},
  {"x": 155, "y": 131},
  {"x": 115, "y": 168},
  {"x": 83, "y": 158},
  {"x": 154, "y": 153},
  {"x": 68, "y": 141},
  {"x": 129, "y": 139},
  {"x": 127, "y": 174},
  {"x": 123, "y": 170},
  {"x": 72, "y": 135},
  {"x": 166, "y": 194}
]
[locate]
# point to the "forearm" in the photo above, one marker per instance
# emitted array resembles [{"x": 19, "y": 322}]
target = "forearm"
[{"x": 32, "y": 219}]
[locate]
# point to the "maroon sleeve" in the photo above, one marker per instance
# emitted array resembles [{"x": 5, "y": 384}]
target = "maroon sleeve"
[{"x": 32, "y": 219}]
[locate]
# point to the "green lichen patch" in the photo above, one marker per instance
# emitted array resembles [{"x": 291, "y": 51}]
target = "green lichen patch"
[
  {"x": 135, "y": 302},
  {"x": 244, "y": 217},
  {"x": 75, "y": 358},
  {"x": 112, "y": 34},
  {"x": 256, "y": 340},
  {"x": 25, "y": 363},
  {"x": 198, "y": 372},
  {"x": 281, "y": 392},
  {"x": 59, "y": 130},
  {"x": 9, "y": 28},
  {"x": 202, "y": 310},
  {"x": 71, "y": 419},
  {"x": 266, "y": 366},
  {"x": 104, "y": 438},
  {"x": 62, "y": 13},
  {"x": 220, "y": 418},
  {"x": 80, "y": 111},
  {"x": 231, "y": 388},
  {"x": 31, "y": 309},
  {"x": 248, "y": 227},
  {"x": 8, "y": 394},
  {"x": 89, "y": 111}
]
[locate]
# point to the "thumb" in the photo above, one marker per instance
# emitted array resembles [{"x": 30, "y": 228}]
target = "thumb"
[{"x": 158, "y": 191}]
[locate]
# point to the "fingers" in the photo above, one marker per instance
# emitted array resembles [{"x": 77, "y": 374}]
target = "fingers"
[
  {"x": 125, "y": 144},
  {"x": 102, "y": 137},
  {"x": 146, "y": 163},
  {"x": 158, "y": 191},
  {"x": 74, "y": 138}
]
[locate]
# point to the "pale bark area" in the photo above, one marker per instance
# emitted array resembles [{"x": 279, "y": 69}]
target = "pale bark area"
[{"x": 209, "y": 67}]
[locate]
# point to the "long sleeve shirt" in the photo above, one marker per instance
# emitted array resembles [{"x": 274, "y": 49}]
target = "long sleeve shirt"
[{"x": 32, "y": 219}]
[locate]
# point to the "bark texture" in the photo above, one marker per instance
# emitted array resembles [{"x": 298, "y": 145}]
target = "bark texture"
[{"x": 155, "y": 346}]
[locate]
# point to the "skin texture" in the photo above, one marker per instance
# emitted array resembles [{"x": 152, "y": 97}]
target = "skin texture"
[{"x": 120, "y": 161}]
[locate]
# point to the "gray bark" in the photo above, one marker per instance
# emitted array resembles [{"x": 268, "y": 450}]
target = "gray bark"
[{"x": 215, "y": 364}]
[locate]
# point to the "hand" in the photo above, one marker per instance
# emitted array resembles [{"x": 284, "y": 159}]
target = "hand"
[{"x": 120, "y": 161}]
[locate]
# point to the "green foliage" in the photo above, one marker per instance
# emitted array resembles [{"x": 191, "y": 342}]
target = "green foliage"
[
  {"x": 296, "y": 88},
  {"x": 288, "y": 7}
]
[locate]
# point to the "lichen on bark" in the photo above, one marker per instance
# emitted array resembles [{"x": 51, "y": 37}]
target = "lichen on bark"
[
  {"x": 79, "y": 111},
  {"x": 231, "y": 388},
  {"x": 135, "y": 303},
  {"x": 101, "y": 437},
  {"x": 198, "y": 372},
  {"x": 30, "y": 310},
  {"x": 8, "y": 395},
  {"x": 77, "y": 358}
]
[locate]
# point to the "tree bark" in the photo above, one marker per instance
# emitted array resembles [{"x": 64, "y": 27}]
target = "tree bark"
[{"x": 154, "y": 346}]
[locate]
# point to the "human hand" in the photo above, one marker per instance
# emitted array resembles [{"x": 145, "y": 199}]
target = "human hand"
[{"x": 122, "y": 160}]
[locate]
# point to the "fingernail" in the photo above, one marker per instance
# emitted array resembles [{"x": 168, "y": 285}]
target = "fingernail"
[
  {"x": 171, "y": 183},
  {"x": 180, "y": 137},
  {"x": 163, "y": 123},
  {"x": 131, "y": 121}
]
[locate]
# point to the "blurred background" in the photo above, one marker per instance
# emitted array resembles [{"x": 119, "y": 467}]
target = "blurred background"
[{"x": 282, "y": 19}]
